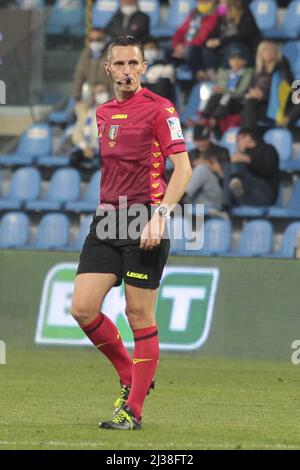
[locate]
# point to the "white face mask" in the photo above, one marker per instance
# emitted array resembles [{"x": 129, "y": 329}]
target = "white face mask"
[
  {"x": 152, "y": 55},
  {"x": 101, "y": 98},
  {"x": 97, "y": 46},
  {"x": 129, "y": 10}
]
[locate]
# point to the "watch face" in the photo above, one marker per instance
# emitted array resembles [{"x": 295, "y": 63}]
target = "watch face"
[{"x": 163, "y": 211}]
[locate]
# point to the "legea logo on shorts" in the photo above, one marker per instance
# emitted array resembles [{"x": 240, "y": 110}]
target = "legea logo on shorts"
[{"x": 184, "y": 308}]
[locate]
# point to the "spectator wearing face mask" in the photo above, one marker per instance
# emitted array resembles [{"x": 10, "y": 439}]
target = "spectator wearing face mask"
[
  {"x": 90, "y": 68},
  {"x": 129, "y": 20},
  {"x": 85, "y": 136},
  {"x": 160, "y": 75}
]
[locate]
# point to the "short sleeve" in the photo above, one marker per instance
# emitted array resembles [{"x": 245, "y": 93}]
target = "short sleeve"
[{"x": 167, "y": 129}]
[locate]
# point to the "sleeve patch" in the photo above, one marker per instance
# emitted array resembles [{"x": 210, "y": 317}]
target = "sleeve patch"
[{"x": 175, "y": 128}]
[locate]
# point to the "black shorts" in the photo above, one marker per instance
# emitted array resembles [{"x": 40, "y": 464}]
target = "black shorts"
[{"x": 124, "y": 258}]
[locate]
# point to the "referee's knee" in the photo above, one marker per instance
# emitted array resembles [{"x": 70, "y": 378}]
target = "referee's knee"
[
  {"x": 139, "y": 317},
  {"x": 82, "y": 313}
]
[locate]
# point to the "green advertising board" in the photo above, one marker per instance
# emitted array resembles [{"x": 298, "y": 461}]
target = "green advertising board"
[{"x": 185, "y": 305}]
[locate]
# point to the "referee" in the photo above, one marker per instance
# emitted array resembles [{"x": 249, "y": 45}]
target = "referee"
[{"x": 137, "y": 131}]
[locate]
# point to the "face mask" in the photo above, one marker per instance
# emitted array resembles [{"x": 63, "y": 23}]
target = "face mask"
[
  {"x": 205, "y": 8},
  {"x": 97, "y": 46},
  {"x": 152, "y": 55},
  {"x": 129, "y": 10},
  {"x": 222, "y": 10},
  {"x": 101, "y": 98}
]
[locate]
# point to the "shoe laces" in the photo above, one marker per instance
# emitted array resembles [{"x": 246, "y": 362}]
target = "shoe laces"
[
  {"x": 122, "y": 416},
  {"x": 123, "y": 393}
]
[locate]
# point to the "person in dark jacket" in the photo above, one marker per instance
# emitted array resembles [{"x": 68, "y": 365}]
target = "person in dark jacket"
[
  {"x": 129, "y": 20},
  {"x": 203, "y": 144},
  {"x": 252, "y": 176},
  {"x": 236, "y": 26},
  {"x": 271, "y": 68}
]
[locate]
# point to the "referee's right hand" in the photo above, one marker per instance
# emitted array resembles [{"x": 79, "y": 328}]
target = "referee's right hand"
[{"x": 152, "y": 233}]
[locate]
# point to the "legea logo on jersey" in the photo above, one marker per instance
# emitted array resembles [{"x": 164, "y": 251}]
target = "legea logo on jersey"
[{"x": 184, "y": 309}]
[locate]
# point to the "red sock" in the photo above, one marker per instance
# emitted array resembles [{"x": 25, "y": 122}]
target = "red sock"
[
  {"x": 146, "y": 355},
  {"x": 106, "y": 337}
]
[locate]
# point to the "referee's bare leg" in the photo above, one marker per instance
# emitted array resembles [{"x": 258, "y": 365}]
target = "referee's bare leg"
[{"x": 89, "y": 293}]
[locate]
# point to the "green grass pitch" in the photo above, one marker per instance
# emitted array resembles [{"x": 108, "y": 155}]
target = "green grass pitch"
[{"x": 53, "y": 398}]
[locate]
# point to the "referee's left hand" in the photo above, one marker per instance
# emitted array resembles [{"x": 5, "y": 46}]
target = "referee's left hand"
[{"x": 152, "y": 233}]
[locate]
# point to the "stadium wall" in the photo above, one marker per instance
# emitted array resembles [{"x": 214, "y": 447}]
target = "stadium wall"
[{"x": 210, "y": 306}]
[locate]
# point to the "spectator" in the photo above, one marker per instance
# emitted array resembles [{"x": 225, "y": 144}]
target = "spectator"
[
  {"x": 252, "y": 176},
  {"x": 160, "y": 75},
  {"x": 270, "y": 88},
  {"x": 90, "y": 68},
  {"x": 236, "y": 26},
  {"x": 202, "y": 139},
  {"x": 129, "y": 20},
  {"x": 85, "y": 135},
  {"x": 232, "y": 84},
  {"x": 205, "y": 184},
  {"x": 189, "y": 41}
]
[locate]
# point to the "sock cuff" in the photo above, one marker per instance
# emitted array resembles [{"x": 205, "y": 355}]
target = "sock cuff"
[
  {"x": 145, "y": 333},
  {"x": 94, "y": 325}
]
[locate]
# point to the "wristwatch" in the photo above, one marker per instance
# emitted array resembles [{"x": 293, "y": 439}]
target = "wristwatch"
[{"x": 163, "y": 211}]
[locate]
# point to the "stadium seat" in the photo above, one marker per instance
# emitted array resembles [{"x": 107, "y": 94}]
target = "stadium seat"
[
  {"x": 31, "y": 4},
  {"x": 179, "y": 229},
  {"x": 67, "y": 17},
  {"x": 228, "y": 139},
  {"x": 217, "y": 238},
  {"x": 64, "y": 116},
  {"x": 82, "y": 233},
  {"x": 192, "y": 105},
  {"x": 265, "y": 14},
  {"x": 103, "y": 10},
  {"x": 36, "y": 141},
  {"x": 291, "y": 22},
  {"x": 177, "y": 13},
  {"x": 256, "y": 239},
  {"x": 152, "y": 9},
  {"x": 64, "y": 187},
  {"x": 24, "y": 186},
  {"x": 14, "y": 230},
  {"x": 291, "y": 50},
  {"x": 53, "y": 233},
  {"x": 292, "y": 209},
  {"x": 288, "y": 242},
  {"x": 90, "y": 199},
  {"x": 282, "y": 140},
  {"x": 254, "y": 211}
]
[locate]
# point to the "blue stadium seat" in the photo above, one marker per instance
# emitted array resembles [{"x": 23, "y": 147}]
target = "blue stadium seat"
[
  {"x": 90, "y": 199},
  {"x": 217, "y": 238},
  {"x": 67, "y": 17},
  {"x": 14, "y": 230},
  {"x": 24, "y": 186},
  {"x": 291, "y": 50},
  {"x": 31, "y": 4},
  {"x": 53, "y": 233},
  {"x": 177, "y": 13},
  {"x": 292, "y": 209},
  {"x": 265, "y": 14},
  {"x": 193, "y": 104},
  {"x": 152, "y": 9},
  {"x": 291, "y": 23},
  {"x": 36, "y": 141},
  {"x": 82, "y": 233},
  {"x": 288, "y": 242},
  {"x": 253, "y": 211},
  {"x": 256, "y": 239},
  {"x": 282, "y": 140},
  {"x": 103, "y": 11},
  {"x": 180, "y": 233},
  {"x": 228, "y": 139},
  {"x": 64, "y": 116},
  {"x": 64, "y": 187}
]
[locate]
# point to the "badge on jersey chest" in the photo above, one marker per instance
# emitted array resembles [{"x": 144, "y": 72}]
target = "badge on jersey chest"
[{"x": 113, "y": 132}]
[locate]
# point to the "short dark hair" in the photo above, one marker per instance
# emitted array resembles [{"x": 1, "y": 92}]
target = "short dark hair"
[
  {"x": 250, "y": 132},
  {"x": 125, "y": 41}
]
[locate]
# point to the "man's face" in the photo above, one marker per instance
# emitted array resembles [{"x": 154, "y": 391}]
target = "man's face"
[
  {"x": 244, "y": 142},
  {"x": 126, "y": 62},
  {"x": 203, "y": 144},
  {"x": 96, "y": 36},
  {"x": 128, "y": 2},
  {"x": 236, "y": 63}
]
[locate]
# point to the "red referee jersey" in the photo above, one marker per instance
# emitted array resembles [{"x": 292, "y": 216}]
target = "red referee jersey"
[{"x": 136, "y": 136}]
